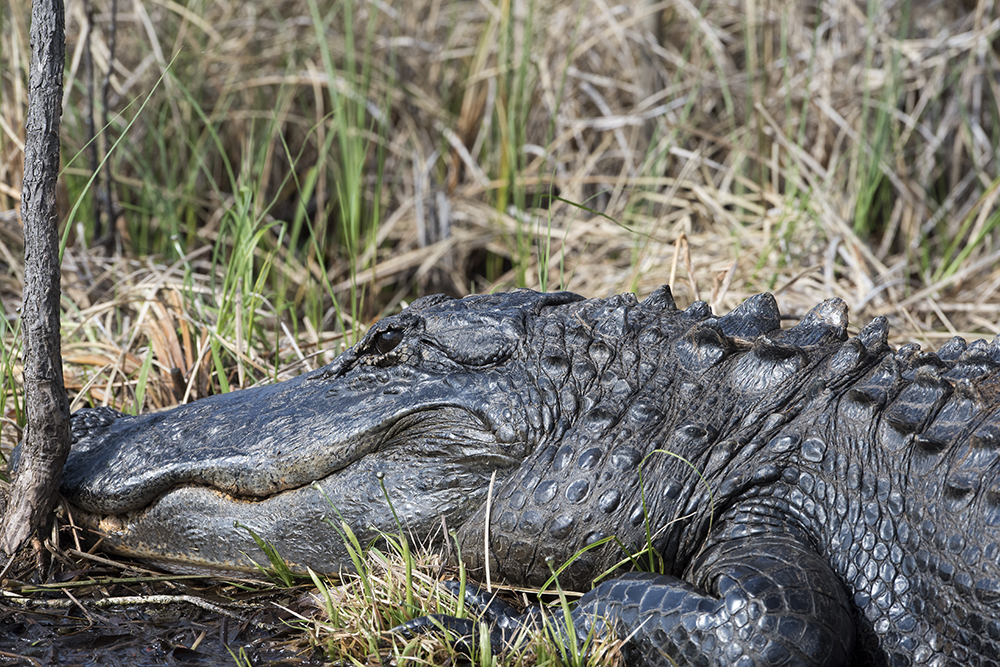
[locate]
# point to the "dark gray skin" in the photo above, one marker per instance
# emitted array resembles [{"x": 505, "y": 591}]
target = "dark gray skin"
[{"x": 846, "y": 510}]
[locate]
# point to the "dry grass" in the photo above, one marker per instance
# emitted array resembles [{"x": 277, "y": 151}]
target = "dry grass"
[{"x": 273, "y": 189}]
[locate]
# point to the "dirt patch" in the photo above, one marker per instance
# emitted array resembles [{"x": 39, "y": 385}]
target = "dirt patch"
[
  {"x": 135, "y": 637},
  {"x": 100, "y": 617}
]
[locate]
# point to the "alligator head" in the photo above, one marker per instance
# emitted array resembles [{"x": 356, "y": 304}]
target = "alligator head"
[
  {"x": 562, "y": 399},
  {"x": 425, "y": 406}
]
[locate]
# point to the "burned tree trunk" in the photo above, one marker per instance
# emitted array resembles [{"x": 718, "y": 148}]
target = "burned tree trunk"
[{"x": 46, "y": 443}]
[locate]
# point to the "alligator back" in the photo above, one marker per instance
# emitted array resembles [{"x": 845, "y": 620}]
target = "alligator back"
[
  {"x": 905, "y": 464},
  {"x": 883, "y": 464}
]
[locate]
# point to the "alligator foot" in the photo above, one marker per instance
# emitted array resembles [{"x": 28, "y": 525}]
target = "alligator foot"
[{"x": 765, "y": 599}]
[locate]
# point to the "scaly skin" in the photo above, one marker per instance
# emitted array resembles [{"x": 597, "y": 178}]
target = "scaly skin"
[{"x": 844, "y": 509}]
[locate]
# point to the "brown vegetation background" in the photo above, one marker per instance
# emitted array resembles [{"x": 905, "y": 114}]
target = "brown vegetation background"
[{"x": 815, "y": 150}]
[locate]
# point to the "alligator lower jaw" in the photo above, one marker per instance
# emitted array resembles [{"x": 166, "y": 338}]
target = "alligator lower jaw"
[{"x": 117, "y": 535}]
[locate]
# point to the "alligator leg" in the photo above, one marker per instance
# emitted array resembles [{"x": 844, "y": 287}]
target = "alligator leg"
[
  {"x": 761, "y": 600},
  {"x": 765, "y": 599}
]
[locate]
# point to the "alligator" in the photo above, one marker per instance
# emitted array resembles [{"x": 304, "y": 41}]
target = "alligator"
[{"x": 814, "y": 498}]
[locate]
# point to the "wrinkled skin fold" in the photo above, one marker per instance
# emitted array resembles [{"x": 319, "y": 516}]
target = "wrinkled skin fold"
[{"x": 825, "y": 499}]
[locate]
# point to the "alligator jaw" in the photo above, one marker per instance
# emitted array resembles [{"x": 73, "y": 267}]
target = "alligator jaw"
[{"x": 424, "y": 470}]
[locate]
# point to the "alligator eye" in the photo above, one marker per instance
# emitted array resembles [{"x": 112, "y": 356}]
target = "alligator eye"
[{"x": 386, "y": 341}]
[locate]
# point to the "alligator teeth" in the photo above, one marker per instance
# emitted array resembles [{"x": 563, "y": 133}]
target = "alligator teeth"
[
  {"x": 756, "y": 316},
  {"x": 825, "y": 323}
]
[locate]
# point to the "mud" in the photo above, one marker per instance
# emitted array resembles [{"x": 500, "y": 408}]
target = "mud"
[
  {"x": 134, "y": 637},
  {"x": 67, "y": 624}
]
